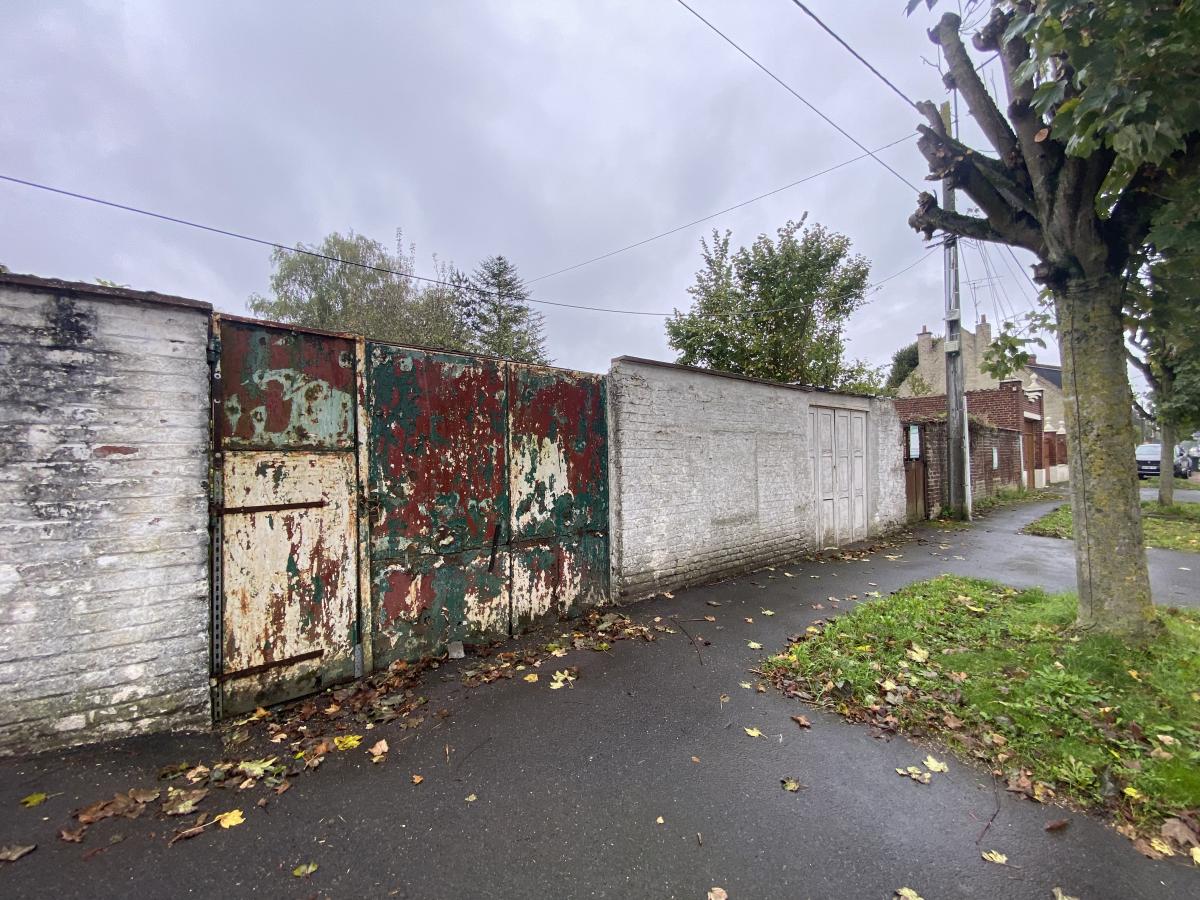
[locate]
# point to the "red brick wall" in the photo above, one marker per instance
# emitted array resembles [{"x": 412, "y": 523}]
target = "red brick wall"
[{"x": 985, "y": 480}]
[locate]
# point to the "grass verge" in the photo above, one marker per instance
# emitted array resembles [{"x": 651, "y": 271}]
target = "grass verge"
[
  {"x": 1181, "y": 484},
  {"x": 1169, "y": 527},
  {"x": 1001, "y": 676}
]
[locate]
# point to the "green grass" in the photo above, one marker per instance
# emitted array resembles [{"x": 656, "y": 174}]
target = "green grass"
[
  {"x": 1181, "y": 484},
  {"x": 1008, "y": 681},
  {"x": 1169, "y": 527}
]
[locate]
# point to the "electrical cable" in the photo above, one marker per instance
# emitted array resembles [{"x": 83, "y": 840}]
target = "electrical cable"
[{"x": 791, "y": 90}]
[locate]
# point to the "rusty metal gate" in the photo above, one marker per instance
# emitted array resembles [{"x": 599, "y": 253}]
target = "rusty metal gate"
[
  {"x": 488, "y": 497},
  {"x": 284, "y": 513}
]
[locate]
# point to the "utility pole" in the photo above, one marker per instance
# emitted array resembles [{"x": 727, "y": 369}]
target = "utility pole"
[{"x": 957, "y": 467}]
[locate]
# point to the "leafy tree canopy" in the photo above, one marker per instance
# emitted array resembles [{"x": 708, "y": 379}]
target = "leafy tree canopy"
[
  {"x": 904, "y": 362},
  {"x": 777, "y": 309}
]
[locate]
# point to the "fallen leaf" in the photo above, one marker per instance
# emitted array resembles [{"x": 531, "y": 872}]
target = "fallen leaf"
[
  {"x": 767, "y": 612},
  {"x": 1057, "y": 824},
  {"x": 802, "y": 721},
  {"x": 713, "y": 602},
  {"x": 1134, "y": 794},
  {"x": 1059, "y": 894},
  {"x": 716, "y": 893},
  {"x": 952, "y": 721},
  {"x": 659, "y": 821},
  {"x": 260, "y": 713},
  {"x": 304, "y": 870},
  {"x": 749, "y": 620},
  {"x": 1165, "y": 739},
  {"x": 417, "y": 779},
  {"x": 283, "y": 787},
  {"x": 724, "y": 698},
  {"x": 347, "y": 741},
  {"x": 379, "y": 751},
  {"x": 13, "y": 852},
  {"x": 1133, "y": 673},
  {"x": 935, "y": 765},
  {"x": 790, "y": 784},
  {"x": 231, "y": 818},
  {"x": 1158, "y": 845},
  {"x": 907, "y": 893},
  {"x": 73, "y": 837},
  {"x": 145, "y": 795},
  {"x": 754, "y": 645},
  {"x": 710, "y": 618},
  {"x": 1195, "y": 854},
  {"x": 181, "y": 802},
  {"x": 917, "y": 654},
  {"x": 753, "y": 732},
  {"x": 471, "y": 798},
  {"x": 1178, "y": 831},
  {"x": 531, "y": 677},
  {"x": 745, "y": 684},
  {"x": 994, "y": 856},
  {"x": 34, "y": 800}
]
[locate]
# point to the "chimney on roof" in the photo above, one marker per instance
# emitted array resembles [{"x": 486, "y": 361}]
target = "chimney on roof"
[
  {"x": 924, "y": 342},
  {"x": 983, "y": 332}
]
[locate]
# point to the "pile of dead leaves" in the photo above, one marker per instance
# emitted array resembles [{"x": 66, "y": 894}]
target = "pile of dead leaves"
[{"x": 593, "y": 631}]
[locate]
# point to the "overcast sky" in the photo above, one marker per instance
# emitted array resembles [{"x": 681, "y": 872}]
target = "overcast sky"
[{"x": 549, "y": 132}]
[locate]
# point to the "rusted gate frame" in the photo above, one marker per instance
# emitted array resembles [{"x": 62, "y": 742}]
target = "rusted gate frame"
[
  {"x": 296, "y": 448},
  {"x": 504, "y": 546}
]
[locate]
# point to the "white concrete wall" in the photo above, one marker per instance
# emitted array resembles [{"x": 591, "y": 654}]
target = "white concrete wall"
[
  {"x": 104, "y": 563},
  {"x": 710, "y": 475}
]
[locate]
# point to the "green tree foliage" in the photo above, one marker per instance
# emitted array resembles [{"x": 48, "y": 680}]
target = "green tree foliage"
[
  {"x": 776, "y": 309},
  {"x": 494, "y": 304},
  {"x": 1094, "y": 154},
  {"x": 904, "y": 363},
  {"x": 366, "y": 298}
]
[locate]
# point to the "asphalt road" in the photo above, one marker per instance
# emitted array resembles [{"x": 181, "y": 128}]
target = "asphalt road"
[{"x": 569, "y": 784}]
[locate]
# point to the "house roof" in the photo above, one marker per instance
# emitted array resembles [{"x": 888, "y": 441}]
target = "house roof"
[{"x": 1052, "y": 374}]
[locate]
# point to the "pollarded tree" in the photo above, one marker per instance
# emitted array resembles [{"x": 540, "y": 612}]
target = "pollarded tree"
[
  {"x": 776, "y": 309},
  {"x": 1100, "y": 133}
]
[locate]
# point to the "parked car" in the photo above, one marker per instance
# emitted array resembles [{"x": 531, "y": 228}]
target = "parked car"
[{"x": 1148, "y": 456}]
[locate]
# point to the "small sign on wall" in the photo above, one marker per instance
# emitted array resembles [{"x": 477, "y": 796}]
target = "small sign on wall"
[
  {"x": 914, "y": 441},
  {"x": 995, "y": 458}
]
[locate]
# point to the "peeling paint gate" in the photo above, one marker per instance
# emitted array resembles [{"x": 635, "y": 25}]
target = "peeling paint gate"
[{"x": 375, "y": 502}]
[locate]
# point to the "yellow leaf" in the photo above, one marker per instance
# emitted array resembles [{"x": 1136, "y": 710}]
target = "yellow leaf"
[
  {"x": 1059, "y": 894},
  {"x": 1158, "y": 845},
  {"x": 1134, "y": 794},
  {"x": 887, "y": 685},
  {"x": 471, "y": 798},
  {"x": 531, "y": 677},
  {"x": 907, "y": 893},
  {"x": 790, "y": 784},
  {"x": 1195, "y": 854},
  {"x": 917, "y": 654},
  {"x": 304, "y": 869},
  {"x": 994, "y": 856},
  {"x": 1133, "y": 673},
  {"x": 34, "y": 800},
  {"x": 260, "y": 713},
  {"x": 934, "y": 765},
  {"x": 659, "y": 821},
  {"x": 754, "y": 645},
  {"x": 753, "y": 732},
  {"x": 231, "y": 818},
  {"x": 560, "y": 652},
  {"x": 864, "y": 648},
  {"x": 745, "y": 684},
  {"x": 347, "y": 741},
  {"x": 417, "y": 779},
  {"x": 767, "y": 612}
]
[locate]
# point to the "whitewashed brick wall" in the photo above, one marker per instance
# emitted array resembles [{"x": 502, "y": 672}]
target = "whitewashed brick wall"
[
  {"x": 103, "y": 508},
  {"x": 710, "y": 475}
]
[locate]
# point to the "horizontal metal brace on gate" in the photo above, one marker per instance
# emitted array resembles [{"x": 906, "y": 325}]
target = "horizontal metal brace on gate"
[
  {"x": 268, "y": 507},
  {"x": 266, "y": 667}
]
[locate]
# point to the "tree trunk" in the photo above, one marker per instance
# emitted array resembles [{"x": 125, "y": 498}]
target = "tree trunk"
[
  {"x": 1166, "y": 465},
  {"x": 1110, "y": 562}
]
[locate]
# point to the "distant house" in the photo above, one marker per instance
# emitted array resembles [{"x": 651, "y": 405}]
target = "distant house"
[{"x": 929, "y": 377}]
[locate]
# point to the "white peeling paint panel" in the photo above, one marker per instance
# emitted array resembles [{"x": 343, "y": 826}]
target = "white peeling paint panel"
[{"x": 103, "y": 502}]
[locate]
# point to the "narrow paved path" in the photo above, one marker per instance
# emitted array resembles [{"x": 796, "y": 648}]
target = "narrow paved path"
[{"x": 569, "y": 784}]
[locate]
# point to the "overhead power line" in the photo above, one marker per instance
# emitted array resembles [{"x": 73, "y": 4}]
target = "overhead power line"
[
  {"x": 791, "y": 90},
  {"x": 728, "y": 209},
  {"x": 112, "y": 204},
  {"x": 833, "y": 34}
]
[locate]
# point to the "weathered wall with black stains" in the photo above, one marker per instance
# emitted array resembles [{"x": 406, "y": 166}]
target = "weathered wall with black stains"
[
  {"x": 103, "y": 562},
  {"x": 711, "y": 475}
]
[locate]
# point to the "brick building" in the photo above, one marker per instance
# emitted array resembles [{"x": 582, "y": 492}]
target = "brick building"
[{"x": 928, "y": 379}]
